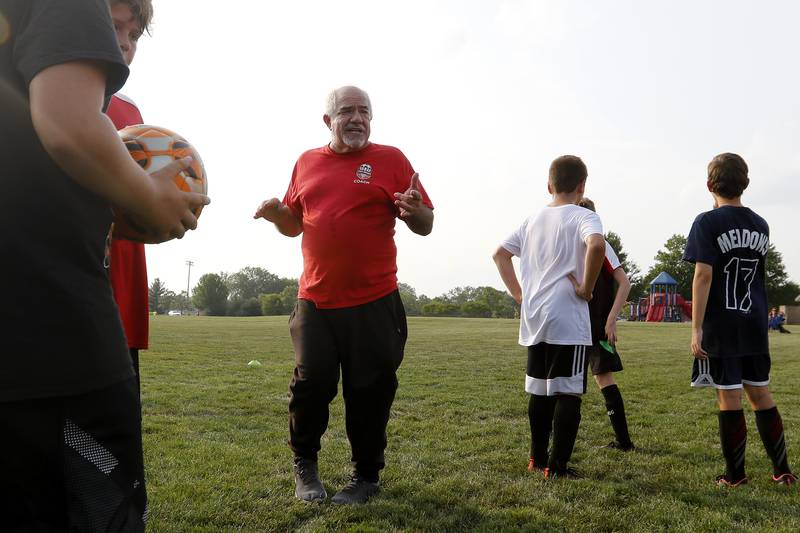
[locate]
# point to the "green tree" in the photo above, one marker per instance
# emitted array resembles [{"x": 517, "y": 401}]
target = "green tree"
[
  {"x": 169, "y": 301},
  {"x": 409, "y": 297},
  {"x": 250, "y": 307},
  {"x": 638, "y": 285},
  {"x": 272, "y": 304},
  {"x": 250, "y": 282},
  {"x": 211, "y": 294},
  {"x": 460, "y": 295},
  {"x": 156, "y": 294},
  {"x": 437, "y": 307},
  {"x": 500, "y": 303},
  {"x": 780, "y": 290},
  {"x": 289, "y": 296},
  {"x": 476, "y": 309},
  {"x": 669, "y": 260}
]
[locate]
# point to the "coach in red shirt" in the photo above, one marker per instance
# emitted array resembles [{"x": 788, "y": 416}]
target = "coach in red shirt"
[{"x": 344, "y": 198}]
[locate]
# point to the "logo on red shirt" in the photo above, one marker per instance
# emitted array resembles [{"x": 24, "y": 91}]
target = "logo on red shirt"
[{"x": 364, "y": 173}]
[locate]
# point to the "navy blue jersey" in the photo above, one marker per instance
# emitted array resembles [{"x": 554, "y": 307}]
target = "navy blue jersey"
[{"x": 734, "y": 241}]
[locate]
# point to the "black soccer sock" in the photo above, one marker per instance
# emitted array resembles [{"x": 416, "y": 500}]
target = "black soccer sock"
[
  {"x": 540, "y": 416},
  {"x": 733, "y": 437},
  {"x": 616, "y": 413},
  {"x": 770, "y": 427},
  {"x": 566, "y": 419}
]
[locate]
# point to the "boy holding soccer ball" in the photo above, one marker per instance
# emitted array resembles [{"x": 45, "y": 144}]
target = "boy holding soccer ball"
[
  {"x": 728, "y": 246},
  {"x": 562, "y": 240},
  {"x": 71, "y": 448}
]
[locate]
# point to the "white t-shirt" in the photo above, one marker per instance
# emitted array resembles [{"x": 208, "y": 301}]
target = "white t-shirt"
[{"x": 551, "y": 245}]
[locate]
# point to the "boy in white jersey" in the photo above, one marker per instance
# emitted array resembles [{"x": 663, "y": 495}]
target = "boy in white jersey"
[{"x": 563, "y": 239}]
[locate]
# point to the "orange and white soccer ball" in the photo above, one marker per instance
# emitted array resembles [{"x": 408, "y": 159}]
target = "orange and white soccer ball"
[{"x": 153, "y": 148}]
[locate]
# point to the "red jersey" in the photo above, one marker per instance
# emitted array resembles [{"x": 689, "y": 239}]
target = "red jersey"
[
  {"x": 128, "y": 269},
  {"x": 346, "y": 203}
]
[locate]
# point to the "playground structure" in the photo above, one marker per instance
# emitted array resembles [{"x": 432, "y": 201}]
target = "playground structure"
[{"x": 663, "y": 304}]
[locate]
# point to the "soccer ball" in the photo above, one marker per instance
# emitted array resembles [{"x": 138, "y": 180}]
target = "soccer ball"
[{"x": 153, "y": 148}]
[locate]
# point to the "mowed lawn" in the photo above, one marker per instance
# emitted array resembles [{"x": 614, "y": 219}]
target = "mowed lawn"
[{"x": 215, "y": 433}]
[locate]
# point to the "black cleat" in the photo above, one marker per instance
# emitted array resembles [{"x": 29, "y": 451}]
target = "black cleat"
[
  {"x": 307, "y": 485},
  {"x": 615, "y": 445},
  {"x": 357, "y": 491}
]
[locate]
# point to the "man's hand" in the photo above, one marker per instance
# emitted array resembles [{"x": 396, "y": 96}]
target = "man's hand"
[
  {"x": 580, "y": 289},
  {"x": 269, "y": 210},
  {"x": 409, "y": 202},
  {"x": 417, "y": 216},
  {"x": 275, "y": 211},
  {"x": 697, "y": 344},
  {"x": 169, "y": 212}
]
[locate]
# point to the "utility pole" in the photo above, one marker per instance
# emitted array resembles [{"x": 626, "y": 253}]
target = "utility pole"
[{"x": 188, "y": 279}]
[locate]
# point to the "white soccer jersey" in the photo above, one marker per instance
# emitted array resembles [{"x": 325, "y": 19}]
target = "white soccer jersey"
[{"x": 551, "y": 245}]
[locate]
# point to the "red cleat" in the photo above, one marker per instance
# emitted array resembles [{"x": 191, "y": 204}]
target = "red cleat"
[
  {"x": 785, "y": 479},
  {"x": 724, "y": 481}
]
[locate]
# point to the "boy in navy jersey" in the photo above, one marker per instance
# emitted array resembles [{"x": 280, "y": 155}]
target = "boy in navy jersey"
[{"x": 728, "y": 246}]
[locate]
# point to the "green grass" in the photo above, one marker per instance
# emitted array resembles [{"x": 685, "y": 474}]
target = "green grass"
[{"x": 215, "y": 435}]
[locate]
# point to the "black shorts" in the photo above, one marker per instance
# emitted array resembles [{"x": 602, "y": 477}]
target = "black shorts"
[
  {"x": 731, "y": 372},
  {"x": 73, "y": 463},
  {"x": 556, "y": 369},
  {"x": 601, "y": 361}
]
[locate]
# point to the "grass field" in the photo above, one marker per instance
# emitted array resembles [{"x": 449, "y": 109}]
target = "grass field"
[{"x": 215, "y": 436}]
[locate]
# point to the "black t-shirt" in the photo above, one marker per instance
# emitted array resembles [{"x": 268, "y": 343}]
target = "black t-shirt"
[
  {"x": 734, "y": 241},
  {"x": 61, "y": 332}
]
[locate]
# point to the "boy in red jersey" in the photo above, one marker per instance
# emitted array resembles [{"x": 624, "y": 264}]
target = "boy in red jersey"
[
  {"x": 127, "y": 264},
  {"x": 730, "y": 343},
  {"x": 604, "y": 308},
  {"x": 345, "y": 198}
]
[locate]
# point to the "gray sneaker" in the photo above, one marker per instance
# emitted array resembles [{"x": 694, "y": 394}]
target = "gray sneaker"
[
  {"x": 358, "y": 490},
  {"x": 308, "y": 486}
]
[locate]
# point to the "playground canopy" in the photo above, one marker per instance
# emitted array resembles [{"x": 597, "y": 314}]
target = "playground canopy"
[
  {"x": 663, "y": 279},
  {"x": 664, "y": 303}
]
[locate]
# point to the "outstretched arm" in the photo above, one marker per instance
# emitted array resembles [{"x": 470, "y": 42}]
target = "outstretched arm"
[
  {"x": 273, "y": 210},
  {"x": 623, "y": 289},
  {"x": 417, "y": 216},
  {"x": 701, "y": 285},
  {"x": 502, "y": 259}
]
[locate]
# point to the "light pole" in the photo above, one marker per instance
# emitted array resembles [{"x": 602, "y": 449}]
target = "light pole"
[{"x": 188, "y": 279}]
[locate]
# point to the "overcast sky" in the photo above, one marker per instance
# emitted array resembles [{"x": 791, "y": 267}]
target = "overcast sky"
[{"x": 480, "y": 96}]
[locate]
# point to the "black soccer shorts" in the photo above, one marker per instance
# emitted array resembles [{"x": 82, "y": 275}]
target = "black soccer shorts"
[
  {"x": 731, "y": 372},
  {"x": 601, "y": 361},
  {"x": 556, "y": 369},
  {"x": 73, "y": 463}
]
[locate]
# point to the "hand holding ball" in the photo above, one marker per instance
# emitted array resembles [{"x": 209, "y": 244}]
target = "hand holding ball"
[{"x": 153, "y": 148}]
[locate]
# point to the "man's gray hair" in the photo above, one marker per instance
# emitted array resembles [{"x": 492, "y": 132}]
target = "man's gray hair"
[{"x": 330, "y": 106}]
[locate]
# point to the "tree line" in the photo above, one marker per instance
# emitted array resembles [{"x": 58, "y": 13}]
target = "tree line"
[{"x": 254, "y": 291}]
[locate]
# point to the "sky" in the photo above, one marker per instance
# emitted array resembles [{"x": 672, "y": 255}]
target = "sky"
[{"x": 481, "y": 96}]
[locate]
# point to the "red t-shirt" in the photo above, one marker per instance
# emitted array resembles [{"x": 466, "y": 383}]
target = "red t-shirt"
[
  {"x": 346, "y": 203},
  {"x": 128, "y": 268}
]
